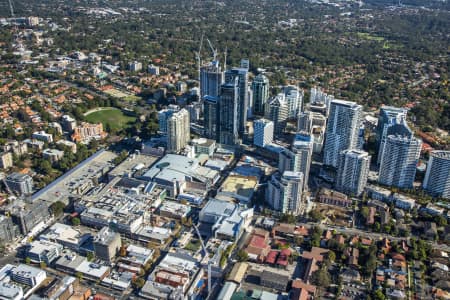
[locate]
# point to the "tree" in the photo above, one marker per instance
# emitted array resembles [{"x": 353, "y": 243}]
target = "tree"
[
  {"x": 43, "y": 265},
  {"x": 57, "y": 208},
  {"x": 45, "y": 167},
  {"x": 288, "y": 218},
  {"x": 321, "y": 277},
  {"x": 369, "y": 265},
  {"x": 76, "y": 221},
  {"x": 331, "y": 256},
  {"x": 90, "y": 256},
  {"x": 138, "y": 283},
  {"x": 27, "y": 260},
  {"x": 365, "y": 212},
  {"x": 79, "y": 275},
  {"x": 242, "y": 255},
  {"x": 316, "y": 215},
  {"x": 378, "y": 295}
]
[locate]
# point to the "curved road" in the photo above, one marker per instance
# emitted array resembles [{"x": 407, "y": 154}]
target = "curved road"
[{"x": 99, "y": 109}]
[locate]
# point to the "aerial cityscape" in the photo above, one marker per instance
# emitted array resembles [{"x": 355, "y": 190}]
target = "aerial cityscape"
[{"x": 229, "y": 150}]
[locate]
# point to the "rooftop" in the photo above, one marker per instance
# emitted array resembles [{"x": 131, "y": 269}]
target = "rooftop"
[
  {"x": 174, "y": 167},
  {"x": 73, "y": 181},
  {"x": 241, "y": 185},
  {"x": 27, "y": 271},
  {"x": 105, "y": 236},
  {"x": 133, "y": 163},
  {"x": 62, "y": 232}
]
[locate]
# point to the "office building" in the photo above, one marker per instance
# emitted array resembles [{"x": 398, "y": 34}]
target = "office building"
[
  {"x": 68, "y": 123},
  {"x": 294, "y": 99},
  {"x": 164, "y": 115},
  {"x": 305, "y": 121},
  {"x": 250, "y": 104},
  {"x": 8, "y": 230},
  {"x": 229, "y": 118},
  {"x": 319, "y": 101},
  {"x": 6, "y": 160},
  {"x": 389, "y": 115},
  {"x": 399, "y": 160},
  {"x": 107, "y": 244},
  {"x": 353, "y": 170},
  {"x": 211, "y": 117},
  {"x": 285, "y": 192},
  {"x": 204, "y": 146},
  {"x": 277, "y": 111},
  {"x": 43, "y": 251},
  {"x": 52, "y": 155},
  {"x": 393, "y": 126},
  {"x": 11, "y": 291},
  {"x": 226, "y": 219},
  {"x": 153, "y": 70},
  {"x": 43, "y": 136},
  {"x": 260, "y": 88},
  {"x": 178, "y": 131},
  {"x": 437, "y": 177},
  {"x": 30, "y": 218},
  {"x": 194, "y": 109},
  {"x": 298, "y": 158},
  {"x": 211, "y": 78},
  {"x": 21, "y": 184},
  {"x": 135, "y": 66},
  {"x": 28, "y": 275},
  {"x": 240, "y": 76},
  {"x": 67, "y": 236},
  {"x": 342, "y": 130},
  {"x": 245, "y": 64},
  {"x": 262, "y": 132}
]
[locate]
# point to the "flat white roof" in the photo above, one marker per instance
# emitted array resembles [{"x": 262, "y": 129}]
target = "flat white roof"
[{"x": 92, "y": 269}]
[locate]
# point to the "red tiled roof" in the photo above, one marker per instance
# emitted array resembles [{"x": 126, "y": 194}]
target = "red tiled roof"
[
  {"x": 398, "y": 256},
  {"x": 271, "y": 257},
  {"x": 258, "y": 242}
]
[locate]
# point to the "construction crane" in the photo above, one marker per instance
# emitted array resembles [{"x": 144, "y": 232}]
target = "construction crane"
[
  {"x": 11, "y": 8},
  {"x": 198, "y": 57},
  {"x": 206, "y": 255},
  {"x": 214, "y": 51}
]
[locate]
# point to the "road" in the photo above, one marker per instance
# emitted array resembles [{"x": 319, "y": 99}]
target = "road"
[{"x": 372, "y": 235}]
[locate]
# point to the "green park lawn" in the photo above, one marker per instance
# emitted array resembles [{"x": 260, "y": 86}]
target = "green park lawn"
[{"x": 114, "y": 117}]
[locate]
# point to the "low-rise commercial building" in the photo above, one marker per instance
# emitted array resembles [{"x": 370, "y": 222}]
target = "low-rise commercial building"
[
  {"x": 153, "y": 234},
  {"x": 66, "y": 236},
  {"x": 53, "y": 155},
  {"x": 174, "y": 210},
  {"x": 227, "y": 219},
  {"x": 331, "y": 197},
  {"x": 28, "y": 275},
  {"x": 43, "y": 251},
  {"x": 173, "y": 172},
  {"x": 175, "y": 277},
  {"x": 72, "y": 263}
]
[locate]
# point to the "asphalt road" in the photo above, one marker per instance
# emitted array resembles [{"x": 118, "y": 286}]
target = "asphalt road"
[{"x": 372, "y": 235}]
